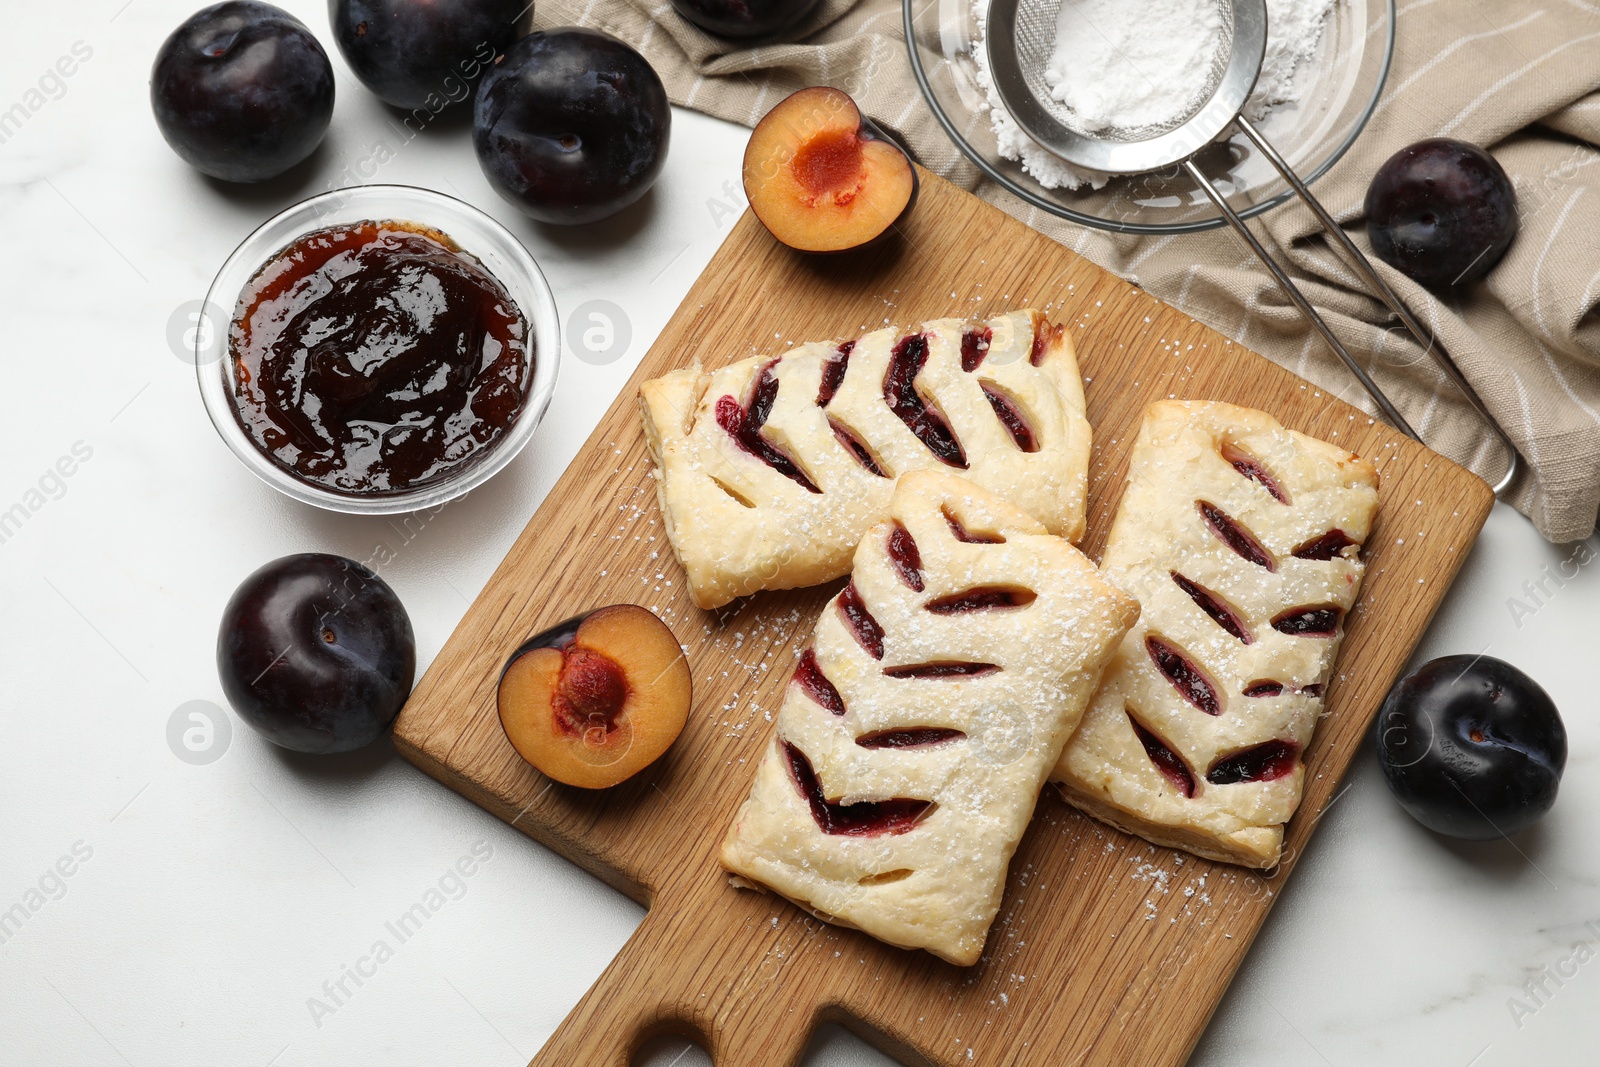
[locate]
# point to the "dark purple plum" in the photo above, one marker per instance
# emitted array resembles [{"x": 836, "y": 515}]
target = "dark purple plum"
[
  {"x": 316, "y": 652},
  {"x": 1471, "y": 747},
  {"x": 1441, "y": 211},
  {"x": 425, "y": 53},
  {"x": 744, "y": 18},
  {"x": 242, "y": 91},
  {"x": 571, "y": 126}
]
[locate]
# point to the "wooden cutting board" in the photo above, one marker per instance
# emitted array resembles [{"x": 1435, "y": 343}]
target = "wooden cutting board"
[{"x": 1107, "y": 950}]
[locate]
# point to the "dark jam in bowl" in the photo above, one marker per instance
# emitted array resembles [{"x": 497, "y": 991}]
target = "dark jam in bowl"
[{"x": 377, "y": 358}]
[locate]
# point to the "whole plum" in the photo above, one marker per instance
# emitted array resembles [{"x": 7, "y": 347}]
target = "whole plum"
[
  {"x": 316, "y": 653},
  {"x": 1472, "y": 747},
  {"x": 425, "y": 53},
  {"x": 744, "y": 18},
  {"x": 1442, "y": 211},
  {"x": 571, "y": 126},
  {"x": 242, "y": 91}
]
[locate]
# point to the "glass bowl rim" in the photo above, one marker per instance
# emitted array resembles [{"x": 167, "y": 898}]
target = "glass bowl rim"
[
  {"x": 1198, "y": 226},
  {"x": 527, "y": 285}
]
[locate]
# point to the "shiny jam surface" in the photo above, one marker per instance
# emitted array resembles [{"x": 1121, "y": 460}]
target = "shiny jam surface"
[{"x": 376, "y": 358}]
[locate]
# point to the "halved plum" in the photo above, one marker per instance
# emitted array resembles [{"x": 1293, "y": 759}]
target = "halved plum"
[
  {"x": 596, "y": 699},
  {"x": 822, "y": 177}
]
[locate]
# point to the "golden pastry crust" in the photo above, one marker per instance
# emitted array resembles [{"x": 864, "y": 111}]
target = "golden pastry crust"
[
  {"x": 738, "y": 524},
  {"x": 1202, "y": 474},
  {"x": 937, "y": 884}
]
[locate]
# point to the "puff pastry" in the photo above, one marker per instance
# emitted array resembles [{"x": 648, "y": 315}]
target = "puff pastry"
[
  {"x": 914, "y": 738},
  {"x": 1242, "y": 541},
  {"x": 769, "y": 470}
]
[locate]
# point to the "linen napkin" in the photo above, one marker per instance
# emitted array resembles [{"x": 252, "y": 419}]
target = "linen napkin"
[{"x": 1521, "y": 79}]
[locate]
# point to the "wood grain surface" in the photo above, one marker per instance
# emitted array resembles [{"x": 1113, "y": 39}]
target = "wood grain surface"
[{"x": 1101, "y": 954}]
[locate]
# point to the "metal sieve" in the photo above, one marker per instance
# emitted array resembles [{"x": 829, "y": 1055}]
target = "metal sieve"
[{"x": 1020, "y": 37}]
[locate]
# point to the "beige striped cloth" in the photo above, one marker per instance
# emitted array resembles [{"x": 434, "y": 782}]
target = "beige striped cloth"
[{"x": 1519, "y": 77}]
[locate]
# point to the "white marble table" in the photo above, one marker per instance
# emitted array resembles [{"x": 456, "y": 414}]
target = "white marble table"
[{"x": 208, "y": 903}]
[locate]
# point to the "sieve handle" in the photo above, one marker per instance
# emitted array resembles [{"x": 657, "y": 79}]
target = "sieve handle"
[
  {"x": 1364, "y": 267},
  {"x": 1385, "y": 405}
]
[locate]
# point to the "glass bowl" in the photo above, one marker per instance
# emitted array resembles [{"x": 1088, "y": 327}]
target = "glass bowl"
[
  {"x": 474, "y": 233},
  {"x": 1343, "y": 80}
]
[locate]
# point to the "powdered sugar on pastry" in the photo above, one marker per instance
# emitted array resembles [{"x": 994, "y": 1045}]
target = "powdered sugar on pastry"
[
  {"x": 1242, "y": 541},
  {"x": 937, "y": 692},
  {"x": 770, "y": 469}
]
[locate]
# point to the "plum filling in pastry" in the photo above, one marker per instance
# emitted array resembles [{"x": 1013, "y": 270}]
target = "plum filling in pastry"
[
  {"x": 865, "y": 818},
  {"x": 966, "y": 536},
  {"x": 1189, "y": 680},
  {"x": 1010, "y": 416},
  {"x": 1168, "y": 762},
  {"x": 1235, "y": 536},
  {"x": 1253, "y": 469},
  {"x": 1214, "y": 606},
  {"x": 1043, "y": 335},
  {"x": 1312, "y": 690},
  {"x": 1330, "y": 545},
  {"x": 900, "y": 391},
  {"x": 831, "y": 802},
  {"x": 974, "y": 346},
  {"x": 833, "y": 373},
  {"x": 910, "y": 737},
  {"x": 982, "y": 598},
  {"x": 743, "y": 423},
  {"x": 905, "y": 558},
  {"x": 860, "y": 621},
  {"x": 809, "y": 677},
  {"x": 1309, "y": 621},
  {"x": 941, "y": 670},
  {"x": 863, "y": 455},
  {"x": 1263, "y": 689},
  {"x": 1262, "y": 763}
]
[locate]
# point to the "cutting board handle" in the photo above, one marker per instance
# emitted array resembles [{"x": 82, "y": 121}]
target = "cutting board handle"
[{"x": 652, "y": 989}]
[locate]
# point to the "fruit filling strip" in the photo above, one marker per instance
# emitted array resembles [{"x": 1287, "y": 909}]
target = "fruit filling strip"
[
  {"x": 900, "y": 391},
  {"x": 1266, "y": 762},
  {"x": 1231, "y": 533},
  {"x": 1187, "y": 678},
  {"x": 905, "y": 558},
  {"x": 860, "y": 621},
  {"x": 1168, "y": 762},
  {"x": 1213, "y": 605},
  {"x": 1253, "y": 469},
  {"x": 983, "y": 598},
  {"x": 910, "y": 737},
  {"x": 809, "y": 677},
  {"x": 1320, "y": 621},
  {"x": 1330, "y": 545},
  {"x": 1011, "y": 417},
  {"x": 864, "y": 818},
  {"x": 974, "y": 346},
  {"x": 743, "y": 423}
]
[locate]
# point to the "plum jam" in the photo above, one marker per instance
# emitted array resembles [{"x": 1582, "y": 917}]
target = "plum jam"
[{"x": 377, "y": 358}]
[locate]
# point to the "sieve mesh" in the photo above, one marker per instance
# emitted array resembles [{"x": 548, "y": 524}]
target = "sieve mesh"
[{"x": 1035, "y": 40}]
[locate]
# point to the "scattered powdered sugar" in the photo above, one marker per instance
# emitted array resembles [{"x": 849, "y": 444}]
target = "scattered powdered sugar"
[{"x": 1133, "y": 63}]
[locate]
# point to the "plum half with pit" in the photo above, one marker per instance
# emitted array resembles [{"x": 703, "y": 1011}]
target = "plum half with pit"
[
  {"x": 316, "y": 653},
  {"x": 595, "y": 699},
  {"x": 422, "y": 53},
  {"x": 823, "y": 178},
  {"x": 242, "y": 91},
  {"x": 744, "y": 18},
  {"x": 1472, "y": 747},
  {"x": 571, "y": 126},
  {"x": 1442, "y": 211}
]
